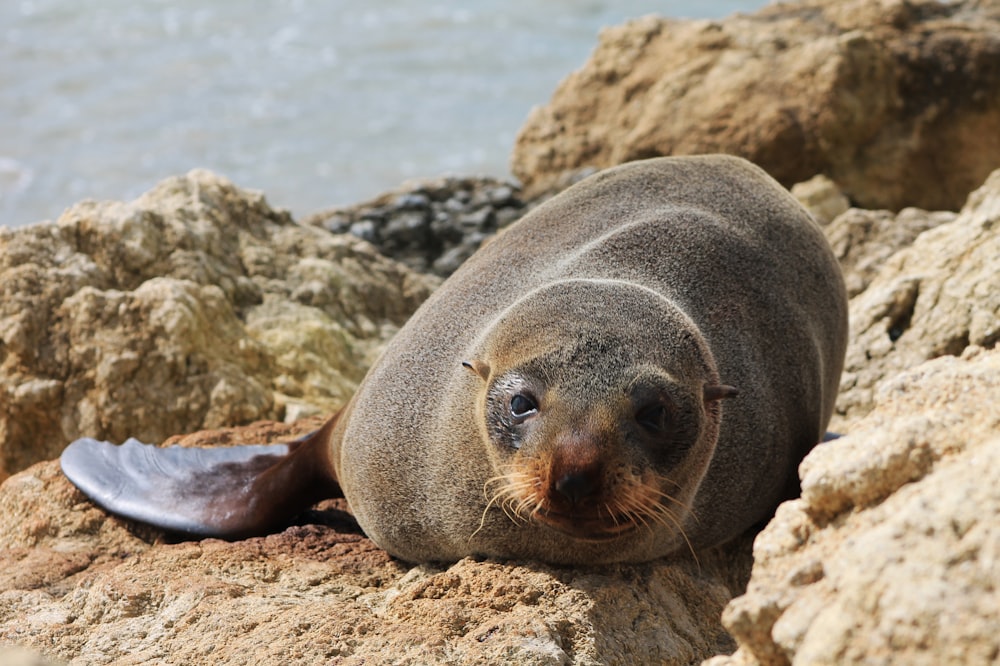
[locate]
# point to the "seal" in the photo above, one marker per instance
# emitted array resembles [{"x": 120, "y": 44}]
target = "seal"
[{"x": 632, "y": 370}]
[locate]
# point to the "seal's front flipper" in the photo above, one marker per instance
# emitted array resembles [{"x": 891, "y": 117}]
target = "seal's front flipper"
[{"x": 228, "y": 492}]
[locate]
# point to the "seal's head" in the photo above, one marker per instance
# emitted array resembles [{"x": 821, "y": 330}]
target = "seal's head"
[{"x": 597, "y": 428}]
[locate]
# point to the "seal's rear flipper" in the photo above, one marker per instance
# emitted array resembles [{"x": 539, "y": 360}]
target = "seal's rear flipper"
[{"x": 228, "y": 492}]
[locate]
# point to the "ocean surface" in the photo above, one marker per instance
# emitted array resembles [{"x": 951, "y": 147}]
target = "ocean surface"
[{"x": 315, "y": 103}]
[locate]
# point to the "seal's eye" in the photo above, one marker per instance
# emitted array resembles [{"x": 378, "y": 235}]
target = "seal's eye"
[
  {"x": 654, "y": 418},
  {"x": 522, "y": 406}
]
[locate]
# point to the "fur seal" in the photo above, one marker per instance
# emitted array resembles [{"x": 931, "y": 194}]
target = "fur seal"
[{"x": 560, "y": 397}]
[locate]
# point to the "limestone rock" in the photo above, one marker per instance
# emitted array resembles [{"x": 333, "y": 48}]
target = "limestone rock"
[
  {"x": 195, "y": 306},
  {"x": 15, "y": 656},
  {"x": 897, "y": 101},
  {"x": 936, "y": 297},
  {"x": 91, "y": 589},
  {"x": 822, "y": 198},
  {"x": 864, "y": 240},
  {"x": 891, "y": 555},
  {"x": 430, "y": 225}
]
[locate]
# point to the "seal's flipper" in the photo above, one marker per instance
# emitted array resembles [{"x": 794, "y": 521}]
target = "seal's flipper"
[{"x": 228, "y": 492}]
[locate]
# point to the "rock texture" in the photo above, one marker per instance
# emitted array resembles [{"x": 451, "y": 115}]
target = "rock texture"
[
  {"x": 822, "y": 198},
  {"x": 89, "y": 589},
  {"x": 936, "y": 297},
  {"x": 892, "y": 555},
  {"x": 897, "y": 101},
  {"x": 430, "y": 225},
  {"x": 195, "y": 306},
  {"x": 864, "y": 240}
]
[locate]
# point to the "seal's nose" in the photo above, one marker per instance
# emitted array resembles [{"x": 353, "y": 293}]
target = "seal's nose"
[{"x": 578, "y": 486}]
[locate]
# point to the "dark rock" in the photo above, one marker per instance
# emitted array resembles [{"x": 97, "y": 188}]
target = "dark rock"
[{"x": 430, "y": 225}]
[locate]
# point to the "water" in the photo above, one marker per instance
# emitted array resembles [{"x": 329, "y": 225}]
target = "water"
[{"x": 316, "y": 103}]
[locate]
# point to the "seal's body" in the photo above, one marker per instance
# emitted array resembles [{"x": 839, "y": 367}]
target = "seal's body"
[{"x": 563, "y": 396}]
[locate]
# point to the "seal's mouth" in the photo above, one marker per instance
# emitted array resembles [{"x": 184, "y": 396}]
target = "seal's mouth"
[{"x": 586, "y": 527}]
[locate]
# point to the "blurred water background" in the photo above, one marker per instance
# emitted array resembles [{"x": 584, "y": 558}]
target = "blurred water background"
[{"x": 316, "y": 103}]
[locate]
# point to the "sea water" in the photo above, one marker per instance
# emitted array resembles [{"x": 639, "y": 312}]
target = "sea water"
[{"x": 317, "y": 103}]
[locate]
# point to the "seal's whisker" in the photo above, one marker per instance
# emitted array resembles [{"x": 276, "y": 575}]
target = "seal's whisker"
[
  {"x": 527, "y": 505},
  {"x": 663, "y": 495},
  {"x": 666, "y": 517},
  {"x": 482, "y": 519},
  {"x": 510, "y": 492},
  {"x": 492, "y": 481}
]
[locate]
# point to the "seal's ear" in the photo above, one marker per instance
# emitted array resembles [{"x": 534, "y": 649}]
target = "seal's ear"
[
  {"x": 719, "y": 391},
  {"x": 481, "y": 368}
]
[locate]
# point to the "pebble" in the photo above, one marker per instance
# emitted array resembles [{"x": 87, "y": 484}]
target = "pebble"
[{"x": 430, "y": 225}]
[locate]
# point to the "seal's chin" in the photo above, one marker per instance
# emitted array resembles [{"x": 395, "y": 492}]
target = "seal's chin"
[{"x": 586, "y": 528}]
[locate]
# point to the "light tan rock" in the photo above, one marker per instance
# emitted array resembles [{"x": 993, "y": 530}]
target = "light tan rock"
[
  {"x": 80, "y": 586},
  {"x": 892, "y": 555},
  {"x": 15, "y": 656},
  {"x": 863, "y": 240},
  {"x": 821, "y": 197},
  {"x": 897, "y": 102},
  {"x": 936, "y": 297},
  {"x": 195, "y": 306}
]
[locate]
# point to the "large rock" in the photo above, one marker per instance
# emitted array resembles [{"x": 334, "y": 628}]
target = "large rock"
[
  {"x": 864, "y": 240},
  {"x": 78, "y": 585},
  {"x": 199, "y": 305},
  {"x": 935, "y": 297},
  {"x": 195, "y": 306},
  {"x": 892, "y": 555},
  {"x": 897, "y": 101}
]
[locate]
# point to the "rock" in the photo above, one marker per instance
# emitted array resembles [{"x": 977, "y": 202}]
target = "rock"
[
  {"x": 898, "y": 102},
  {"x": 936, "y": 297},
  {"x": 430, "y": 225},
  {"x": 891, "y": 555},
  {"x": 195, "y": 306},
  {"x": 15, "y": 656},
  {"x": 822, "y": 198},
  {"x": 863, "y": 240},
  {"x": 84, "y": 587}
]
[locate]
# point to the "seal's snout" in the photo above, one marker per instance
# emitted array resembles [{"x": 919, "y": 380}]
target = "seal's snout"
[
  {"x": 576, "y": 469},
  {"x": 576, "y": 496}
]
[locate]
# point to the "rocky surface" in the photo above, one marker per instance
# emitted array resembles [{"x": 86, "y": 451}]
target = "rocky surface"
[
  {"x": 864, "y": 240},
  {"x": 195, "y": 306},
  {"x": 95, "y": 590},
  {"x": 430, "y": 225},
  {"x": 822, "y": 198},
  {"x": 936, "y": 296},
  {"x": 891, "y": 555},
  {"x": 897, "y": 101}
]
